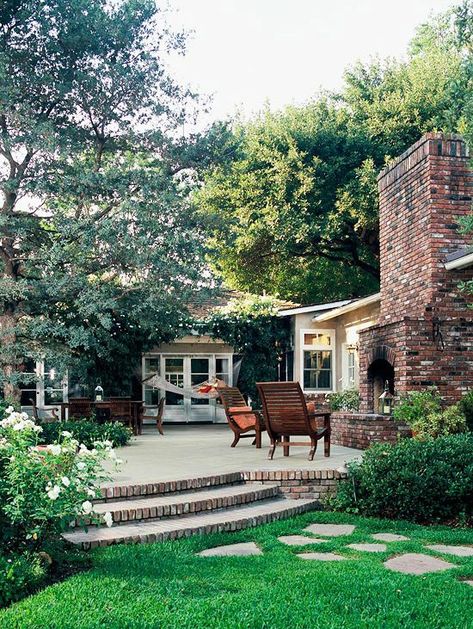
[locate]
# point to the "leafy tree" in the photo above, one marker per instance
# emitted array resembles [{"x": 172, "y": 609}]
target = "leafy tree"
[
  {"x": 99, "y": 248},
  {"x": 295, "y": 210}
]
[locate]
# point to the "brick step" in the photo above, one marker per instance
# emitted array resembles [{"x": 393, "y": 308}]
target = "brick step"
[
  {"x": 158, "y": 507},
  {"x": 231, "y": 519},
  {"x": 124, "y": 492}
]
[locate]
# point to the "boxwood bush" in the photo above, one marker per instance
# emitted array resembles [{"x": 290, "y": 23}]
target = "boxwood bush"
[
  {"x": 87, "y": 431},
  {"x": 20, "y": 574},
  {"x": 422, "y": 481}
]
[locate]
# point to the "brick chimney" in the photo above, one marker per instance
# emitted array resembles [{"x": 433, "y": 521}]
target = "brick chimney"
[
  {"x": 424, "y": 335},
  {"x": 422, "y": 194}
]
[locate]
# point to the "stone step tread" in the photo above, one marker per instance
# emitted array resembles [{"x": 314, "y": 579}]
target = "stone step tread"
[
  {"x": 233, "y": 518},
  {"x": 212, "y": 493}
]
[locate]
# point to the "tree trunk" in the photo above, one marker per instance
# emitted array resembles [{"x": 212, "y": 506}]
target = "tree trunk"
[{"x": 10, "y": 365}]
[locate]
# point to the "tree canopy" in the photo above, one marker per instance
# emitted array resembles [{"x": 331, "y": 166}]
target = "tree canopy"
[
  {"x": 99, "y": 247},
  {"x": 294, "y": 211}
]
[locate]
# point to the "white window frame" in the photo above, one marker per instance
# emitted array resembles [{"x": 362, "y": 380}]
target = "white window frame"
[
  {"x": 308, "y": 348},
  {"x": 40, "y": 374}
]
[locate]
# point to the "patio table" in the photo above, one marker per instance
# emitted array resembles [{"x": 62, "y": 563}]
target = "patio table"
[{"x": 104, "y": 408}]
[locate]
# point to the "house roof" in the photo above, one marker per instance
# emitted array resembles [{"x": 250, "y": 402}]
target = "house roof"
[
  {"x": 459, "y": 259},
  {"x": 294, "y": 310},
  {"x": 353, "y": 304}
]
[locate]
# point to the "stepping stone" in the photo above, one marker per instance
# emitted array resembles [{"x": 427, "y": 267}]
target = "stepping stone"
[
  {"x": 369, "y": 548},
  {"x": 300, "y": 540},
  {"x": 232, "y": 550},
  {"x": 459, "y": 551},
  {"x": 331, "y": 530},
  {"x": 321, "y": 556},
  {"x": 416, "y": 563},
  {"x": 390, "y": 537},
  {"x": 468, "y": 582}
]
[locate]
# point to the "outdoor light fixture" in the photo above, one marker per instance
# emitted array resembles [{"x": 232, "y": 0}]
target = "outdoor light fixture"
[
  {"x": 386, "y": 398},
  {"x": 98, "y": 393}
]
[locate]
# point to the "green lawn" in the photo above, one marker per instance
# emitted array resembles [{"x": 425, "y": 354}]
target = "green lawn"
[{"x": 166, "y": 585}]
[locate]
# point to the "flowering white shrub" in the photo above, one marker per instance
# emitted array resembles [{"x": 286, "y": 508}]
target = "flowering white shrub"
[{"x": 46, "y": 488}]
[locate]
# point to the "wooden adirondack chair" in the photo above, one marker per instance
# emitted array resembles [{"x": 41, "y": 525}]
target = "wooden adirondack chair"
[
  {"x": 240, "y": 417},
  {"x": 286, "y": 415}
]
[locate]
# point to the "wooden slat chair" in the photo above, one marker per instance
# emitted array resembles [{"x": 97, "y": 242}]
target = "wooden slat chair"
[
  {"x": 240, "y": 417},
  {"x": 121, "y": 411},
  {"x": 286, "y": 415},
  {"x": 156, "y": 413}
]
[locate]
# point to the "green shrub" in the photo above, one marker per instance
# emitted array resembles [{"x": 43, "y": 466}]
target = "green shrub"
[
  {"x": 417, "y": 405},
  {"x": 466, "y": 406},
  {"x": 422, "y": 481},
  {"x": 20, "y": 575},
  {"x": 88, "y": 432},
  {"x": 347, "y": 400},
  {"x": 448, "y": 422}
]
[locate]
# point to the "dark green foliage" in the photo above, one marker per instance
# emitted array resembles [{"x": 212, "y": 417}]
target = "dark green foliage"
[
  {"x": 466, "y": 406},
  {"x": 19, "y": 576},
  {"x": 348, "y": 400},
  {"x": 167, "y": 586},
  {"x": 416, "y": 405},
  {"x": 87, "y": 431},
  {"x": 421, "y": 481}
]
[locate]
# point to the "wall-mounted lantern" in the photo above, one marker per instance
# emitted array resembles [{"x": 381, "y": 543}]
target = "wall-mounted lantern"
[{"x": 385, "y": 401}]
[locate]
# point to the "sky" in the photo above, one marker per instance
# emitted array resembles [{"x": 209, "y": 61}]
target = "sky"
[{"x": 248, "y": 53}]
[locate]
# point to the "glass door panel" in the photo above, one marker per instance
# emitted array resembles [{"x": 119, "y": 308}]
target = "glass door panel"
[
  {"x": 174, "y": 373},
  {"x": 199, "y": 373}
]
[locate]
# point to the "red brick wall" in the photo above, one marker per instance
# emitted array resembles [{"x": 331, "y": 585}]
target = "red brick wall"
[
  {"x": 422, "y": 195},
  {"x": 358, "y": 430}
]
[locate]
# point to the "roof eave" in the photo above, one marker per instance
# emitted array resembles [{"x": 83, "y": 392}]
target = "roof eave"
[{"x": 354, "y": 305}]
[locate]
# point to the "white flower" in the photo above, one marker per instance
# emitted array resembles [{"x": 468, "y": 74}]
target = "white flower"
[
  {"x": 65, "y": 481},
  {"x": 80, "y": 465},
  {"x": 54, "y": 448},
  {"x": 66, "y": 433},
  {"x": 19, "y": 425},
  {"x": 108, "y": 519},
  {"x": 90, "y": 492},
  {"x": 87, "y": 506},
  {"x": 9, "y": 410},
  {"x": 53, "y": 493}
]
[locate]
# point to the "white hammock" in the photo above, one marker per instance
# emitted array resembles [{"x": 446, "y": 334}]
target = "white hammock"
[{"x": 198, "y": 391}]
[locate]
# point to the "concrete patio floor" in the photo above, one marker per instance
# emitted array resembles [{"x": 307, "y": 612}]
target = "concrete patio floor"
[{"x": 189, "y": 451}]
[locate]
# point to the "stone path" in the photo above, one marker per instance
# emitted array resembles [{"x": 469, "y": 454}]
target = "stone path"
[
  {"x": 458, "y": 551},
  {"x": 407, "y": 563},
  {"x": 390, "y": 537},
  {"x": 330, "y": 530},
  {"x": 232, "y": 550},
  {"x": 300, "y": 540},
  {"x": 416, "y": 563}
]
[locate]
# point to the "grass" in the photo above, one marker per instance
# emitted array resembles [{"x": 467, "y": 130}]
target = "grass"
[{"x": 167, "y": 586}]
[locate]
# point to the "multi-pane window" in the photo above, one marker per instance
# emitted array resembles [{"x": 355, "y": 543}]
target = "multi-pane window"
[
  {"x": 317, "y": 360},
  {"x": 222, "y": 369}
]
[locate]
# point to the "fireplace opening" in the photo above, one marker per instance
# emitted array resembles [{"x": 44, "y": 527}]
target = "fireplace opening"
[{"x": 379, "y": 372}]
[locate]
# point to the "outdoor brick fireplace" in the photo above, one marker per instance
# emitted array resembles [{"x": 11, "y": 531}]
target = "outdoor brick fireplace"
[{"x": 424, "y": 335}]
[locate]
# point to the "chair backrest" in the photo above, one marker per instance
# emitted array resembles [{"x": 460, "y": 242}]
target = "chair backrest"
[
  {"x": 79, "y": 407},
  {"x": 231, "y": 396},
  {"x": 284, "y": 407},
  {"x": 120, "y": 407},
  {"x": 154, "y": 411}
]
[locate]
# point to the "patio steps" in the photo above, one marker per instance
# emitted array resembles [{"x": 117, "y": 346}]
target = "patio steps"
[{"x": 174, "y": 514}]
